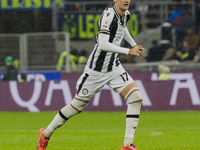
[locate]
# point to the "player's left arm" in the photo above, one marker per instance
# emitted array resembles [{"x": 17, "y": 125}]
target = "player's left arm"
[
  {"x": 136, "y": 49},
  {"x": 128, "y": 37}
]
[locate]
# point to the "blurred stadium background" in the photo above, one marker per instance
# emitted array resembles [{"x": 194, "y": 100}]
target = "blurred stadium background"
[{"x": 32, "y": 33}]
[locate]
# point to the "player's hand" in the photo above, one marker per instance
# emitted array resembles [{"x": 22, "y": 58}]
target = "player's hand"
[{"x": 137, "y": 50}]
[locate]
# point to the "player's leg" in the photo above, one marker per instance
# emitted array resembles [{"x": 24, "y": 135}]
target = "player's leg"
[
  {"x": 123, "y": 84},
  {"x": 75, "y": 107},
  {"x": 134, "y": 99},
  {"x": 87, "y": 86}
]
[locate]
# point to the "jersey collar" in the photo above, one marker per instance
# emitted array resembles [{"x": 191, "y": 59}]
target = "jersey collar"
[
  {"x": 115, "y": 9},
  {"x": 122, "y": 19}
]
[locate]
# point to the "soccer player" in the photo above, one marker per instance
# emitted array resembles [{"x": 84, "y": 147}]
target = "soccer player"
[{"x": 103, "y": 67}]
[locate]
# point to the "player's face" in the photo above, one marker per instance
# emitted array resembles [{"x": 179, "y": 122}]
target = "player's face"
[{"x": 122, "y": 5}]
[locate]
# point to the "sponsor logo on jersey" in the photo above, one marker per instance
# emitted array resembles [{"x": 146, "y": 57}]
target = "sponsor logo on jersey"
[{"x": 105, "y": 25}]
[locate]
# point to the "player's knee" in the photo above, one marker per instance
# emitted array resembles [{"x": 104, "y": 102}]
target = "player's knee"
[
  {"x": 76, "y": 106},
  {"x": 134, "y": 96},
  {"x": 134, "y": 100},
  {"x": 78, "y": 103}
]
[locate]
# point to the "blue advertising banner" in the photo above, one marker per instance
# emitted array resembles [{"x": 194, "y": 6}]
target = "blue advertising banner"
[
  {"x": 43, "y": 75},
  {"x": 29, "y": 4},
  {"x": 39, "y": 76}
]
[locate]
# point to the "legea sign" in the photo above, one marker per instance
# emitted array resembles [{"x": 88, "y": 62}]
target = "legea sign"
[{"x": 85, "y": 26}]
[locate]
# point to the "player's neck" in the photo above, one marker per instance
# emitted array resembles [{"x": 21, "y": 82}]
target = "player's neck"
[{"x": 120, "y": 12}]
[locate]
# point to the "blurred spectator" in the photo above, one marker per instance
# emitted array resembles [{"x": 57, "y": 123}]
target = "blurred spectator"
[
  {"x": 164, "y": 73},
  {"x": 197, "y": 56},
  {"x": 160, "y": 51},
  {"x": 186, "y": 21},
  {"x": 82, "y": 59},
  {"x": 191, "y": 38},
  {"x": 174, "y": 18},
  {"x": 153, "y": 52},
  {"x": 73, "y": 58},
  {"x": 23, "y": 77},
  {"x": 186, "y": 53},
  {"x": 16, "y": 63},
  {"x": 169, "y": 54},
  {"x": 9, "y": 72}
]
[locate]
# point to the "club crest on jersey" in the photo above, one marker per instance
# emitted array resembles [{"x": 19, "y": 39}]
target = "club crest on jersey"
[{"x": 84, "y": 91}]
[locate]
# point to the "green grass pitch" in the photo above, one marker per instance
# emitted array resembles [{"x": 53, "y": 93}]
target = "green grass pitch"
[{"x": 102, "y": 131}]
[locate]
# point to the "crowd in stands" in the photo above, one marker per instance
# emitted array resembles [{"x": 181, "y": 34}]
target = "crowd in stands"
[
  {"x": 188, "y": 51},
  {"x": 77, "y": 58},
  {"x": 11, "y": 71},
  {"x": 187, "y": 37},
  {"x": 185, "y": 25}
]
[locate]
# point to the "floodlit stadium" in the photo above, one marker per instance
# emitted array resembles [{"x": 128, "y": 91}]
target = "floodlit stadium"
[{"x": 59, "y": 58}]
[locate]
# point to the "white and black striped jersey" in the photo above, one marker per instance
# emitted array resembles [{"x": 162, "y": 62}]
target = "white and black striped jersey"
[{"x": 113, "y": 24}]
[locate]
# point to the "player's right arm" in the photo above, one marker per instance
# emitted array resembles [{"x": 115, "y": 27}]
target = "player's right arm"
[
  {"x": 105, "y": 23},
  {"x": 105, "y": 45},
  {"x": 104, "y": 36}
]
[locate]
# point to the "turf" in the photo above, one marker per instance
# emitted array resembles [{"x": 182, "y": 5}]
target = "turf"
[{"x": 102, "y": 131}]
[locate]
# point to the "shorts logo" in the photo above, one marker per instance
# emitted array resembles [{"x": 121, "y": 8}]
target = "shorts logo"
[{"x": 84, "y": 91}]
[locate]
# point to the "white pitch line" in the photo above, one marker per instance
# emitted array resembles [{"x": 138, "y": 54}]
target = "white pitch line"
[{"x": 156, "y": 133}]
